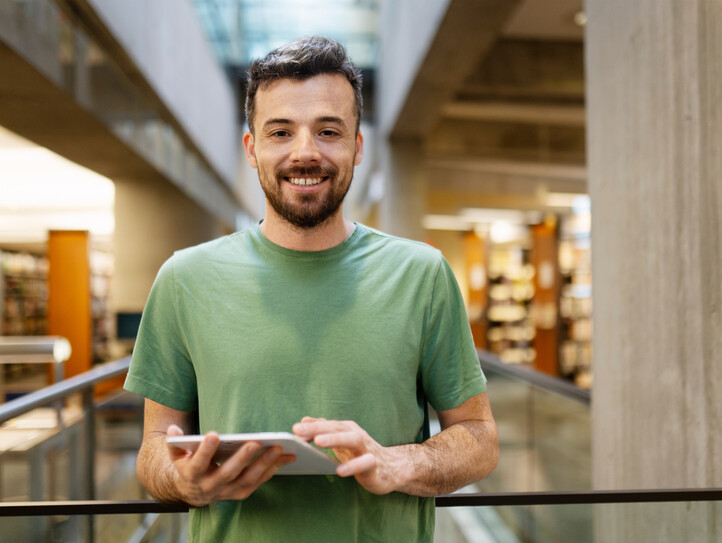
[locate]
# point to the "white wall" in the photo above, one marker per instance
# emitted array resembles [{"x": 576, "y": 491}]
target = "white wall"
[
  {"x": 407, "y": 29},
  {"x": 165, "y": 40},
  {"x": 152, "y": 220}
]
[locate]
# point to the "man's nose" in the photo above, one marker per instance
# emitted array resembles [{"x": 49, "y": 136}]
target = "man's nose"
[{"x": 305, "y": 149}]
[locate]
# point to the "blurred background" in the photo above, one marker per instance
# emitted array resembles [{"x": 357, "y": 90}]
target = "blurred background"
[{"x": 557, "y": 153}]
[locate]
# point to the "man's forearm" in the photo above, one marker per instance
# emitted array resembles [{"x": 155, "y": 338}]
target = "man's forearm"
[
  {"x": 156, "y": 471},
  {"x": 459, "y": 455}
]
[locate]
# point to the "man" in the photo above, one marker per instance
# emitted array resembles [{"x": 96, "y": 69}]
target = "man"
[{"x": 310, "y": 323}]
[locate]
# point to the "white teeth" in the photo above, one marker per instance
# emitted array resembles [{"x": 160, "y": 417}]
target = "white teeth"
[{"x": 304, "y": 181}]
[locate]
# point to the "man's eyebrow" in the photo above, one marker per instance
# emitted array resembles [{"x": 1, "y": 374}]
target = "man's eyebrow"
[
  {"x": 271, "y": 122},
  {"x": 331, "y": 119}
]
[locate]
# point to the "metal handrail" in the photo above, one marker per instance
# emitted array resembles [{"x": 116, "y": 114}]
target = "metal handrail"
[
  {"x": 84, "y": 381},
  {"x": 50, "y": 348},
  {"x": 107, "y": 507},
  {"x": 83, "y": 384},
  {"x": 59, "y": 391},
  {"x": 491, "y": 363},
  {"x": 36, "y": 350}
]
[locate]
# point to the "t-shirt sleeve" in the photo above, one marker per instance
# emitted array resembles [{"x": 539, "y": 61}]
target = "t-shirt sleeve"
[
  {"x": 161, "y": 368},
  {"x": 450, "y": 370}
]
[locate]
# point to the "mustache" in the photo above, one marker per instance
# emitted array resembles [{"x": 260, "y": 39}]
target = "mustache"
[{"x": 309, "y": 171}]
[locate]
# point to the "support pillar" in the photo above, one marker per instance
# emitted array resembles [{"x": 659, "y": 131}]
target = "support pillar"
[
  {"x": 654, "y": 128},
  {"x": 402, "y": 207}
]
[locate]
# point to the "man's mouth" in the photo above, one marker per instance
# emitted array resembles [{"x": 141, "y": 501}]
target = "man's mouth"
[{"x": 305, "y": 181}]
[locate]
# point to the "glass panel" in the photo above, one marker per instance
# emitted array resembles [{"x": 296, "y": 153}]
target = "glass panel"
[
  {"x": 545, "y": 445},
  {"x": 243, "y": 30},
  {"x": 601, "y": 523},
  {"x": 150, "y": 528},
  {"x": 41, "y": 454},
  {"x": 607, "y": 523},
  {"x": 43, "y": 460},
  {"x": 544, "y": 438}
]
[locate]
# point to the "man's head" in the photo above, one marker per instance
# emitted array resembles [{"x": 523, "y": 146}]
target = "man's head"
[
  {"x": 300, "y": 60},
  {"x": 304, "y": 113}
]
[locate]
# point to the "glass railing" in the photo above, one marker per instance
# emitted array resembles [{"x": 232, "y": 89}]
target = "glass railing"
[
  {"x": 544, "y": 435},
  {"x": 67, "y": 473},
  {"x": 668, "y": 521},
  {"x": 65, "y": 445}
]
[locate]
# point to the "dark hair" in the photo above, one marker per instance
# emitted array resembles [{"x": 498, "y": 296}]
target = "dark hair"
[{"x": 302, "y": 59}]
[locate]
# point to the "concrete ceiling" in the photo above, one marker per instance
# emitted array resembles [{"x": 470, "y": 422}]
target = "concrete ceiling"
[
  {"x": 546, "y": 19},
  {"x": 513, "y": 129}
]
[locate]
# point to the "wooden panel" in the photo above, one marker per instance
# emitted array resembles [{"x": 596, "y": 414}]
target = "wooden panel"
[
  {"x": 476, "y": 272},
  {"x": 545, "y": 259},
  {"x": 69, "y": 310}
]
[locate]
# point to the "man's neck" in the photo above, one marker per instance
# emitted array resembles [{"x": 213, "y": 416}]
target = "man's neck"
[{"x": 330, "y": 233}]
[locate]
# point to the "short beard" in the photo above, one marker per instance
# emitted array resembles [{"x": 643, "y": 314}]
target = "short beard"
[{"x": 306, "y": 216}]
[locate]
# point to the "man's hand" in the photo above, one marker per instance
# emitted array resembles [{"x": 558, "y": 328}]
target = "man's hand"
[
  {"x": 378, "y": 469},
  {"x": 201, "y": 481},
  {"x": 466, "y": 450}
]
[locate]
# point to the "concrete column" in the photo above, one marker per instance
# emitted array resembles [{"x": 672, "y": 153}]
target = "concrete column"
[
  {"x": 152, "y": 220},
  {"x": 402, "y": 207},
  {"x": 654, "y": 74}
]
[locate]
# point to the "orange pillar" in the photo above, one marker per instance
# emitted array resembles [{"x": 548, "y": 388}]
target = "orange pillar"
[
  {"x": 545, "y": 259},
  {"x": 69, "y": 309},
  {"x": 476, "y": 273}
]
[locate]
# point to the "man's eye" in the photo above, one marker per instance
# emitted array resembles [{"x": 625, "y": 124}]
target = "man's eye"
[
  {"x": 280, "y": 133},
  {"x": 329, "y": 133}
]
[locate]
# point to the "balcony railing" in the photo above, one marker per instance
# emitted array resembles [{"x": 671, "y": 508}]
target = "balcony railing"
[{"x": 85, "y": 508}]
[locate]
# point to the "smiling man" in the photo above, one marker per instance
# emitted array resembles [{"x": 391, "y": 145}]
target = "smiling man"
[
  {"x": 305, "y": 141},
  {"x": 311, "y": 323}
]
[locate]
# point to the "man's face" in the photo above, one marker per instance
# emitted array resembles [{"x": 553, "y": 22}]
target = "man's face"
[{"x": 305, "y": 146}]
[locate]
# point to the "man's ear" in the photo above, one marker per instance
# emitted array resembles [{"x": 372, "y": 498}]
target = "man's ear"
[
  {"x": 359, "y": 148},
  {"x": 249, "y": 146}
]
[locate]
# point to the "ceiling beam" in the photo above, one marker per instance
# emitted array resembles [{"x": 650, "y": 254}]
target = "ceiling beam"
[
  {"x": 533, "y": 170},
  {"x": 514, "y": 112},
  {"x": 466, "y": 33}
]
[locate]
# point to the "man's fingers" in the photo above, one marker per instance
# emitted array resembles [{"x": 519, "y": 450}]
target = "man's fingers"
[
  {"x": 310, "y": 419},
  {"x": 306, "y": 427},
  {"x": 257, "y": 468},
  {"x": 340, "y": 440},
  {"x": 242, "y": 458},
  {"x": 175, "y": 452},
  {"x": 201, "y": 459},
  {"x": 174, "y": 430},
  {"x": 314, "y": 427},
  {"x": 360, "y": 464},
  {"x": 241, "y": 492},
  {"x": 278, "y": 464}
]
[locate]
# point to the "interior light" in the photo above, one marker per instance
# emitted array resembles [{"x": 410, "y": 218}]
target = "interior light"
[
  {"x": 505, "y": 232},
  {"x": 446, "y": 222},
  {"x": 580, "y": 18},
  {"x": 565, "y": 199},
  {"x": 41, "y": 191},
  {"x": 488, "y": 215},
  {"x": 61, "y": 350},
  {"x": 582, "y": 204}
]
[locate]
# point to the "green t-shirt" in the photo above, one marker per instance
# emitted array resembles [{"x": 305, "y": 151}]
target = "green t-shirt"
[{"x": 254, "y": 336}]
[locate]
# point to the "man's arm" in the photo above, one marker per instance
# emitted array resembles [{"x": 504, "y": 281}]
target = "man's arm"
[
  {"x": 466, "y": 450},
  {"x": 172, "y": 474}
]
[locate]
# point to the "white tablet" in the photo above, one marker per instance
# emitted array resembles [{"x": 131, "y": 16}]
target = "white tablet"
[{"x": 309, "y": 459}]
